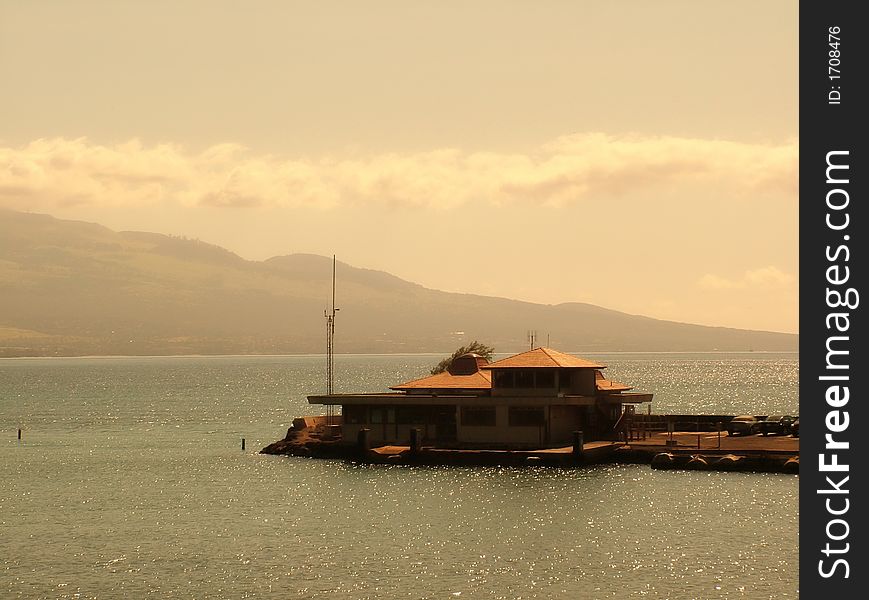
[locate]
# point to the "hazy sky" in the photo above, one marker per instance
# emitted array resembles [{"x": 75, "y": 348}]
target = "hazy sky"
[{"x": 637, "y": 155}]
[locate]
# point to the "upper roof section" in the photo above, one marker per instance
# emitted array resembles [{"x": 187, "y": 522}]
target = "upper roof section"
[
  {"x": 473, "y": 372},
  {"x": 543, "y": 358},
  {"x": 479, "y": 380},
  {"x": 463, "y": 374},
  {"x": 602, "y": 384}
]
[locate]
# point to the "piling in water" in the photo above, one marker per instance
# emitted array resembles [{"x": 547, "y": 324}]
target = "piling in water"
[
  {"x": 362, "y": 440},
  {"x": 414, "y": 441},
  {"x": 577, "y": 445}
]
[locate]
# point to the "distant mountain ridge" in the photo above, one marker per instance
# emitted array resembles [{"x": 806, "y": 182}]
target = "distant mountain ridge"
[{"x": 75, "y": 288}]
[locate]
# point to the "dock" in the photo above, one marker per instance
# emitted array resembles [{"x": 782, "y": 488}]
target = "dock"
[
  {"x": 316, "y": 437},
  {"x": 592, "y": 452},
  {"x": 715, "y": 451}
]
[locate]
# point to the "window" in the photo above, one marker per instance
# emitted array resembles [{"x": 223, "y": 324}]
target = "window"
[
  {"x": 526, "y": 416},
  {"x": 503, "y": 379},
  {"x": 412, "y": 415},
  {"x": 478, "y": 416},
  {"x": 524, "y": 378},
  {"x": 545, "y": 378},
  {"x": 382, "y": 414},
  {"x": 354, "y": 414},
  {"x": 564, "y": 379}
]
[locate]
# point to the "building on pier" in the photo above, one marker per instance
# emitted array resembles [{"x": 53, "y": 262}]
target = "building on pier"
[{"x": 535, "y": 399}]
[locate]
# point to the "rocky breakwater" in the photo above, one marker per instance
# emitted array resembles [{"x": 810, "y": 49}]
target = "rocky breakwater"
[
  {"x": 318, "y": 436},
  {"x": 769, "y": 463}
]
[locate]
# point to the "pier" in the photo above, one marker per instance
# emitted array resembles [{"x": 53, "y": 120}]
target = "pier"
[
  {"x": 319, "y": 437},
  {"x": 592, "y": 452}
]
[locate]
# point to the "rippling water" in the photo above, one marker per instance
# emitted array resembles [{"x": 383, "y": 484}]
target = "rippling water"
[{"x": 130, "y": 482}]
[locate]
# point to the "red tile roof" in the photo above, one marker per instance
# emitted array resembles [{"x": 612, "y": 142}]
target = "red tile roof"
[
  {"x": 541, "y": 358},
  {"x": 481, "y": 380},
  {"x": 602, "y": 384}
]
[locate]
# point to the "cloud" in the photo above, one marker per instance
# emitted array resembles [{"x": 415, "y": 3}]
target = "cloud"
[
  {"x": 764, "y": 277},
  {"x": 60, "y": 172}
]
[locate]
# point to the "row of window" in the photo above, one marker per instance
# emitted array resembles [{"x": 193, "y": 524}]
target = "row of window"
[
  {"x": 404, "y": 415},
  {"x": 530, "y": 378},
  {"x": 472, "y": 416},
  {"x": 517, "y": 416}
]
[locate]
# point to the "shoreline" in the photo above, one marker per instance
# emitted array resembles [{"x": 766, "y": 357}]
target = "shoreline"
[{"x": 356, "y": 354}]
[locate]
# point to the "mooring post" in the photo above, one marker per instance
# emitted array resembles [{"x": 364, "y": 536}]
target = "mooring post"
[
  {"x": 719, "y": 435},
  {"x": 242, "y": 443},
  {"x": 362, "y": 440},
  {"x": 414, "y": 440},
  {"x": 19, "y": 434},
  {"x": 577, "y": 445}
]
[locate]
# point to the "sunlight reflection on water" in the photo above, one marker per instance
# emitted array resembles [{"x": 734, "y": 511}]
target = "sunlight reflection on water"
[{"x": 130, "y": 482}]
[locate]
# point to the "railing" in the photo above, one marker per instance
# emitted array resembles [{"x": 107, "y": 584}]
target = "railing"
[{"x": 641, "y": 426}]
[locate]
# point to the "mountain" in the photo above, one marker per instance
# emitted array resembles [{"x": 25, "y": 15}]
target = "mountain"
[{"x": 74, "y": 288}]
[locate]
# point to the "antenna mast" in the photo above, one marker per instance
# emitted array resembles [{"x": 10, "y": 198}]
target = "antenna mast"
[{"x": 330, "y": 335}]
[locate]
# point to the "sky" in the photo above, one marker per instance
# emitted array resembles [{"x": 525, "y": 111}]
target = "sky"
[{"x": 641, "y": 156}]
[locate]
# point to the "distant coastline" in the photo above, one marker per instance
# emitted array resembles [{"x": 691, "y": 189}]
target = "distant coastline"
[
  {"x": 364, "y": 354},
  {"x": 79, "y": 289}
]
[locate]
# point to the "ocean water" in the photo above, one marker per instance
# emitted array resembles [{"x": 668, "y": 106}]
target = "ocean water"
[{"x": 130, "y": 482}]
